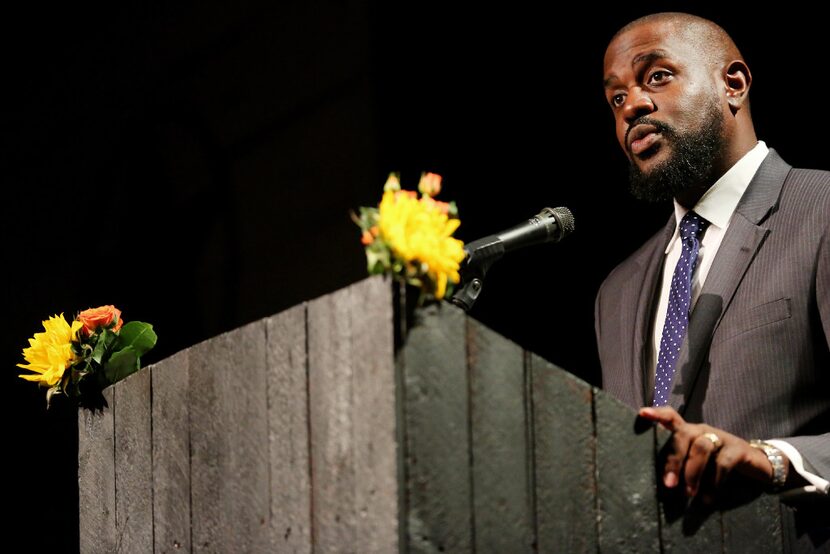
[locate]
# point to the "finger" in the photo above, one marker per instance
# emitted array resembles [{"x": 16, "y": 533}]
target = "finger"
[
  {"x": 722, "y": 463},
  {"x": 701, "y": 451},
  {"x": 671, "y": 470},
  {"x": 708, "y": 489},
  {"x": 675, "y": 458},
  {"x": 680, "y": 443},
  {"x": 665, "y": 415},
  {"x": 725, "y": 463}
]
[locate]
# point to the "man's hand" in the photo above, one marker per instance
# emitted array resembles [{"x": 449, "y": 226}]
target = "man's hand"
[{"x": 706, "y": 456}]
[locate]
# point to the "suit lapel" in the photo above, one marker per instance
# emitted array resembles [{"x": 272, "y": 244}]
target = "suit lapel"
[{"x": 742, "y": 240}]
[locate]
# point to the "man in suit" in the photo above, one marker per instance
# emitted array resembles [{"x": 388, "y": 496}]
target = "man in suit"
[{"x": 720, "y": 323}]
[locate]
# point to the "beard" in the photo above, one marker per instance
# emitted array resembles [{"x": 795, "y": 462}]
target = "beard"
[{"x": 691, "y": 163}]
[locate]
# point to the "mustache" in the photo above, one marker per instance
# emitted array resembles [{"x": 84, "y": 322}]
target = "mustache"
[{"x": 663, "y": 128}]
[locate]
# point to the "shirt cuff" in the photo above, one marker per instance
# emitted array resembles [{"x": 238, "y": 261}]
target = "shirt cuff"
[{"x": 797, "y": 464}]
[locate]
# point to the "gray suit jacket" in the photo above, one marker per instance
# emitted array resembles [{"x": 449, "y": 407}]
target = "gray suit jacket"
[{"x": 756, "y": 360}]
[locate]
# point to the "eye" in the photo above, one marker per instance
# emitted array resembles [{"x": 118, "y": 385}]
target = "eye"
[
  {"x": 659, "y": 77},
  {"x": 617, "y": 100}
]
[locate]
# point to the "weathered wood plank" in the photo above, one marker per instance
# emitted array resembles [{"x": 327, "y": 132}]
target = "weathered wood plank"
[
  {"x": 500, "y": 464},
  {"x": 685, "y": 528},
  {"x": 754, "y": 527},
  {"x": 230, "y": 485},
  {"x": 626, "y": 482},
  {"x": 436, "y": 423},
  {"x": 171, "y": 455},
  {"x": 330, "y": 381},
  {"x": 563, "y": 430},
  {"x": 288, "y": 431},
  {"x": 209, "y": 448},
  {"x": 373, "y": 410},
  {"x": 96, "y": 478},
  {"x": 805, "y": 523},
  {"x": 133, "y": 463}
]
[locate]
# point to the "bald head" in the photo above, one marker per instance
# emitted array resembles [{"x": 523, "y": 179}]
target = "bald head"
[{"x": 705, "y": 36}]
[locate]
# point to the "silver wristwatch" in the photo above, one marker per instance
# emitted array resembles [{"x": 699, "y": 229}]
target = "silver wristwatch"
[{"x": 776, "y": 458}]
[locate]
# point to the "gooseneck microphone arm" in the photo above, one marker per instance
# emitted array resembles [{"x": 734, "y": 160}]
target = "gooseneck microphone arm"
[{"x": 550, "y": 225}]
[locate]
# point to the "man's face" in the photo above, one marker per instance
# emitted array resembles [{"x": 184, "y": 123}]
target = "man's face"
[{"x": 669, "y": 115}]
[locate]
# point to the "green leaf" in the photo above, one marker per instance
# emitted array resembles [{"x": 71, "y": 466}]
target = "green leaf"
[
  {"x": 368, "y": 217},
  {"x": 123, "y": 363},
  {"x": 136, "y": 335},
  {"x": 100, "y": 348},
  {"x": 376, "y": 260},
  {"x": 453, "y": 211}
]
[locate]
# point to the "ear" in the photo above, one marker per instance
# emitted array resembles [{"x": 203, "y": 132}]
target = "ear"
[{"x": 737, "y": 79}]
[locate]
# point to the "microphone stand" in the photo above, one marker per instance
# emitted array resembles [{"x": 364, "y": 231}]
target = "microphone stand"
[
  {"x": 481, "y": 254},
  {"x": 466, "y": 296}
]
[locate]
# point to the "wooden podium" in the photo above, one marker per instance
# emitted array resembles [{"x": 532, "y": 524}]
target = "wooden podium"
[{"x": 308, "y": 431}]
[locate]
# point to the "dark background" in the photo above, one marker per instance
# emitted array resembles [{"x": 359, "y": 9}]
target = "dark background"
[{"x": 195, "y": 165}]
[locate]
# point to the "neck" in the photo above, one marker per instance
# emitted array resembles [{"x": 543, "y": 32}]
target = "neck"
[{"x": 689, "y": 197}]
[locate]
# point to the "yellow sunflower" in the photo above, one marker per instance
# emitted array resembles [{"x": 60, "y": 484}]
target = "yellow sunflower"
[
  {"x": 50, "y": 353},
  {"x": 419, "y": 232}
]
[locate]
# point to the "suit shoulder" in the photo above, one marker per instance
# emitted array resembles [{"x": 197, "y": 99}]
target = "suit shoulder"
[
  {"x": 809, "y": 189},
  {"x": 814, "y": 180}
]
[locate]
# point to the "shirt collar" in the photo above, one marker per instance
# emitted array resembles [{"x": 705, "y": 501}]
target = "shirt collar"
[{"x": 719, "y": 202}]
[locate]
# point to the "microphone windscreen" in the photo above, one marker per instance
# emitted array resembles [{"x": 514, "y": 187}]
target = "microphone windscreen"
[{"x": 564, "y": 218}]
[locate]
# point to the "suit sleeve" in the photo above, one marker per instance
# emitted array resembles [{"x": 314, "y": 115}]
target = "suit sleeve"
[{"x": 815, "y": 450}]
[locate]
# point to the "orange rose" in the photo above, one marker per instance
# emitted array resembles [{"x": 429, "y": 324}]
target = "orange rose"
[
  {"x": 103, "y": 316},
  {"x": 430, "y": 184}
]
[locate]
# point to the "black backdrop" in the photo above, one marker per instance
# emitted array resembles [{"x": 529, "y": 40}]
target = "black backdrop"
[{"x": 195, "y": 166}]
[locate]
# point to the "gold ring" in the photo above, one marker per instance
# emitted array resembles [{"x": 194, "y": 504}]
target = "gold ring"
[{"x": 716, "y": 442}]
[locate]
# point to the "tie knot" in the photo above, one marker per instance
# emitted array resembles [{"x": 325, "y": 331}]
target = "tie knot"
[{"x": 692, "y": 226}]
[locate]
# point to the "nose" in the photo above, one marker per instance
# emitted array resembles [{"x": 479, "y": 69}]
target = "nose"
[{"x": 637, "y": 104}]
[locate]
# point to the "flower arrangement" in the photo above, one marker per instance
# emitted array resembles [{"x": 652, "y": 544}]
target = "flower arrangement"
[
  {"x": 411, "y": 237},
  {"x": 95, "y": 350}
]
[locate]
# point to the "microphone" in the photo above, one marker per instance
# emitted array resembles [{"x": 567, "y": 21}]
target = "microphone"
[{"x": 549, "y": 225}]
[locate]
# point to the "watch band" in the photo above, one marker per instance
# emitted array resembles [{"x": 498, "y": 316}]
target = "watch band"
[{"x": 776, "y": 458}]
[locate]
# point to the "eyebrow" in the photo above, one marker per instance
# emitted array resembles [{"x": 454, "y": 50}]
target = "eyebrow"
[
  {"x": 646, "y": 58},
  {"x": 649, "y": 57}
]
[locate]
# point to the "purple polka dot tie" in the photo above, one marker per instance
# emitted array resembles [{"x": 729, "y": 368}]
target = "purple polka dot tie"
[{"x": 677, "y": 314}]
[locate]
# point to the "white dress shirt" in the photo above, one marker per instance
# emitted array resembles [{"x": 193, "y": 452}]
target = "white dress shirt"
[{"x": 717, "y": 206}]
